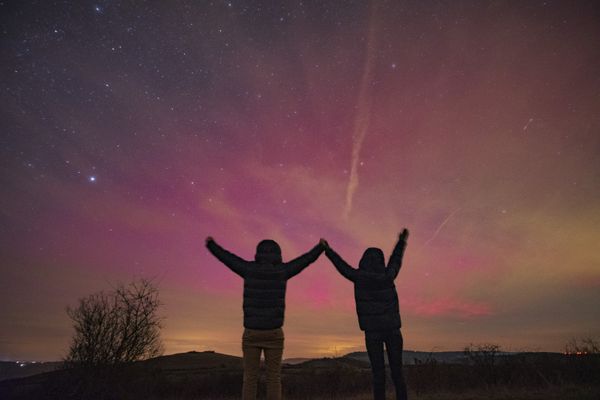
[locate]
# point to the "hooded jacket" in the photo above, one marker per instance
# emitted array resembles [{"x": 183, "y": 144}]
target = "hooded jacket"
[
  {"x": 374, "y": 289},
  {"x": 265, "y": 280}
]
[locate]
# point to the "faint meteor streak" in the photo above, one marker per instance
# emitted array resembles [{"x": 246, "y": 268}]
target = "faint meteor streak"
[
  {"x": 527, "y": 124},
  {"x": 439, "y": 228},
  {"x": 363, "y": 115}
]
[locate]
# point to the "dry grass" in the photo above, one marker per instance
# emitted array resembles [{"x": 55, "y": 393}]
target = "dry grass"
[
  {"x": 506, "y": 393},
  {"x": 531, "y": 377},
  {"x": 499, "y": 393}
]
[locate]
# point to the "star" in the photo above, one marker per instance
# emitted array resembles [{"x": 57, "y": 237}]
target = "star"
[{"x": 92, "y": 178}]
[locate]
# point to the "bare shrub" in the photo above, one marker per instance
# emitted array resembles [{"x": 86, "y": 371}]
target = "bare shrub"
[
  {"x": 482, "y": 354},
  {"x": 485, "y": 358},
  {"x": 116, "y": 327}
]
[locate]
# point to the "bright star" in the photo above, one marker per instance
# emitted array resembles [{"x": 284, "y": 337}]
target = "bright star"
[{"x": 92, "y": 178}]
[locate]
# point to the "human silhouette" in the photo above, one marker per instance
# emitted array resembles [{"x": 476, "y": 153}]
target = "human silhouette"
[
  {"x": 377, "y": 309},
  {"x": 265, "y": 281}
]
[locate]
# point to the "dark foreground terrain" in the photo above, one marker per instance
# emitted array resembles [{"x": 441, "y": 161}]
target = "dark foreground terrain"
[{"x": 208, "y": 375}]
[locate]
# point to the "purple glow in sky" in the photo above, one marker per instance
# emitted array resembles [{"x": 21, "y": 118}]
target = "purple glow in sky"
[{"x": 130, "y": 133}]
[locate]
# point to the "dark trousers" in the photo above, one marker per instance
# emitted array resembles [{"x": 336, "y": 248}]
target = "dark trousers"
[
  {"x": 393, "y": 344},
  {"x": 271, "y": 343}
]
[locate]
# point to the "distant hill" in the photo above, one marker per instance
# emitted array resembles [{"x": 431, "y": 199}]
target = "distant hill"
[
  {"x": 194, "y": 360},
  {"x": 12, "y": 369},
  {"x": 410, "y": 357},
  {"x": 205, "y": 369},
  {"x": 332, "y": 363},
  {"x": 210, "y": 375},
  {"x": 191, "y": 361},
  {"x": 294, "y": 361}
]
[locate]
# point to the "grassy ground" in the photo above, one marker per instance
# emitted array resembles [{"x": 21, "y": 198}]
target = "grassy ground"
[
  {"x": 520, "y": 378},
  {"x": 499, "y": 393},
  {"x": 551, "y": 393}
]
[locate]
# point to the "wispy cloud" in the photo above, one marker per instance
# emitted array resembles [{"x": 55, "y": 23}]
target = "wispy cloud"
[{"x": 363, "y": 114}]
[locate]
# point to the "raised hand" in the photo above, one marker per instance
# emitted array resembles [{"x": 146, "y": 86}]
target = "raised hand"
[
  {"x": 209, "y": 239},
  {"x": 404, "y": 235}
]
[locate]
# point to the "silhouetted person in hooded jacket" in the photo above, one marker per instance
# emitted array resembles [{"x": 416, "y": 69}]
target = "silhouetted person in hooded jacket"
[
  {"x": 265, "y": 281},
  {"x": 378, "y": 311}
]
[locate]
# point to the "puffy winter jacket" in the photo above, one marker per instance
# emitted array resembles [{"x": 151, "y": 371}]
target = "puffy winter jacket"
[
  {"x": 374, "y": 289},
  {"x": 265, "y": 280}
]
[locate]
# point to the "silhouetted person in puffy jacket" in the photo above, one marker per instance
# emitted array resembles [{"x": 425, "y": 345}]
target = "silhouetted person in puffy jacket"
[
  {"x": 378, "y": 311},
  {"x": 265, "y": 281}
]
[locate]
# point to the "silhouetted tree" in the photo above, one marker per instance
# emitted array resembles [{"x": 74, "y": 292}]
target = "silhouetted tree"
[{"x": 116, "y": 327}]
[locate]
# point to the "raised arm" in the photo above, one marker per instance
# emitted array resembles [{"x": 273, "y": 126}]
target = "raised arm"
[
  {"x": 296, "y": 265},
  {"x": 395, "y": 261},
  {"x": 235, "y": 263},
  {"x": 342, "y": 266}
]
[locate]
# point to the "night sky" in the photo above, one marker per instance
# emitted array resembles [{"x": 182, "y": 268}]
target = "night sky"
[{"x": 133, "y": 130}]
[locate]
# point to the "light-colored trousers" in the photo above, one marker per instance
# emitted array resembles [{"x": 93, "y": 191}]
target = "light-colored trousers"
[{"x": 254, "y": 342}]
